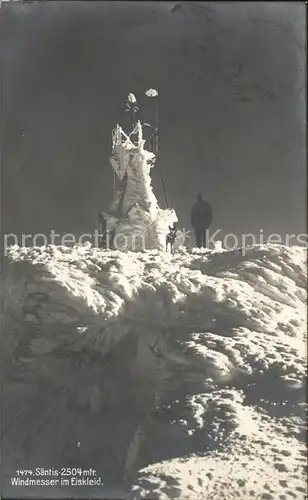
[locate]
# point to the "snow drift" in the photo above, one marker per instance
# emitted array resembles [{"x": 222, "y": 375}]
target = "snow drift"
[{"x": 178, "y": 376}]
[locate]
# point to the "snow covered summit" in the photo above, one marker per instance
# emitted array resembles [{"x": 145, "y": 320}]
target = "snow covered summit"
[{"x": 183, "y": 375}]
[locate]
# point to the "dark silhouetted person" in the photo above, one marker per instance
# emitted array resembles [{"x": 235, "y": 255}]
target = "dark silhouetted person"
[
  {"x": 170, "y": 239},
  {"x": 201, "y": 218}
]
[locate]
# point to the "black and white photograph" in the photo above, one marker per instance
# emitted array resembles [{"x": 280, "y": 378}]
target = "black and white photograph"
[{"x": 153, "y": 250}]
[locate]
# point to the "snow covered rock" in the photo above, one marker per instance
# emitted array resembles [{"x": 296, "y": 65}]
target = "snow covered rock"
[{"x": 182, "y": 375}]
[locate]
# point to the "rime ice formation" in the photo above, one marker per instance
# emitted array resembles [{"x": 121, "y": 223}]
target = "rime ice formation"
[
  {"x": 183, "y": 374},
  {"x": 135, "y": 216}
]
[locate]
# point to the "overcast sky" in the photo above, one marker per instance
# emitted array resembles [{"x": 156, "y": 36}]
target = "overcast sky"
[{"x": 232, "y": 109}]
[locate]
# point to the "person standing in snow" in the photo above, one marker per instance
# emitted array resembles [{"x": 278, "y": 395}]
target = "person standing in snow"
[
  {"x": 201, "y": 218},
  {"x": 170, "y": 239}
]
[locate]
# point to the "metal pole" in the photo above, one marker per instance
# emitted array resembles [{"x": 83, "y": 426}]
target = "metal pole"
[
  {"x": 156, "y": 152},
  {"x": 165, "y": 192},
  {"x": 156, "y": 125}
]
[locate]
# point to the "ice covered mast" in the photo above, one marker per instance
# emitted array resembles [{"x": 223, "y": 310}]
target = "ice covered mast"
[{"x": 135, "y": 220}]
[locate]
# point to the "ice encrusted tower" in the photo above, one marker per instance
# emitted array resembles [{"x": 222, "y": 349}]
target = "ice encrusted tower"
[{"x": 134, "y": 220}]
